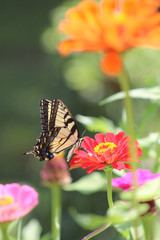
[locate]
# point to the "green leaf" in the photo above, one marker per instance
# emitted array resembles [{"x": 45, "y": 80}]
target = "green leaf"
[
  {"x": 94, "y": 124},
  {"x": 140, "y": 232},
  {"x": 147, "y": 192},
  {"x": 151, "y": 139},
  {"x": 88, "y": 184},
  {"x": 118, "y": 173},
  {"x": 147, "y": 114},
  {"x": 152, "y": 94},
  {"x": 123, "y": 212},
  {"x": 13, "y": 228},
  {"x": 88, "y": 221},
  {"x": 32, "y": 230},
  {"x": 6, "y": 230},
  {"x": 124, "y": 229},
  {"x": 47, "y": 236}
]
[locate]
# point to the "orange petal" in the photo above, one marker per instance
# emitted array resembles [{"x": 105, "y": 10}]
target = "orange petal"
[
  {"x": 68, "y": 46},
  {"x": 111, "y": 63}
]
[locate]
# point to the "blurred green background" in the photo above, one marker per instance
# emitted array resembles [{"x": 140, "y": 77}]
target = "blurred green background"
[{"x": 32, "y": 69}]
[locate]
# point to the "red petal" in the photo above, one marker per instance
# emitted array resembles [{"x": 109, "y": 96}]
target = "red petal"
[
  {"x": 118, "y": 165},
  {"x": 109, "y": 137},
  {"x": 100, "y": 167},
  {"x": 120, "y": 136},
  {"x": 75, "y": 166},
  {"x": 90, "y": 170},
  {"x": 80, "y": 153},
  {"x": 89, "y": 144},
  {"x": 100, "y": 138}
]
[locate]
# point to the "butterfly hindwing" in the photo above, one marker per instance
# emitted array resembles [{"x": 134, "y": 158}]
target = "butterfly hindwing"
[{"x": 71, "y": 150}]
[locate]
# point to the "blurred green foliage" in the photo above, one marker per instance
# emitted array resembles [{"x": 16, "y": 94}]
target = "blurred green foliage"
[{"x": 31, "y": 69}]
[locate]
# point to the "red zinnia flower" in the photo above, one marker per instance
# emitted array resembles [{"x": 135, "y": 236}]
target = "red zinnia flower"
[
  {"x": 109, "y": 149},
  {"x": 111, "y": 26}
]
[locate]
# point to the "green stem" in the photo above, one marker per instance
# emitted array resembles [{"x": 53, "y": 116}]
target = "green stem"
[
  {"x": 19, "y": 229},
  {"x": 152, "y": 226},
  {"x": 4, "y": 229},
  {"x": 99, "y": 230},
  {"x": 56, "y": 211},
  {"x": 149, "y": 226},
  {"x": 146, "y": 227},
  {"x": 125, "y": 86},
  {"x": 108, "y": 172}
]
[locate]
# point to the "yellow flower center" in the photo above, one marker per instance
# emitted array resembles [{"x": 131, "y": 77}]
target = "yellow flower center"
[
  {"x": 4, "y": 200},
  {"x": 103, "y": 147}
]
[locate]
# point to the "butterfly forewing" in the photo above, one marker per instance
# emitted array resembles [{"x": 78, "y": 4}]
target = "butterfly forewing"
[
  {"x": 59, "y": 114},
  {"x": 45, "y": 110},
  {"x": 68, "y": 134}
]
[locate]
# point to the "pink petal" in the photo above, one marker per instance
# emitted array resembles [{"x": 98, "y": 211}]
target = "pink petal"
[
  {"x": 12, "y": 190},
  {"x": 126, "y": 181},
  {"x": 25, "y": 198}
]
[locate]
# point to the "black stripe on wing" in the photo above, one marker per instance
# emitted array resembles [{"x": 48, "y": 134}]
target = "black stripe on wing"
[
  {"x": 54, "y": 110},
  {"x": 60, "y": 115},
  {"x": 66, "y": 138},
  {"x": 45, "y": 109}
]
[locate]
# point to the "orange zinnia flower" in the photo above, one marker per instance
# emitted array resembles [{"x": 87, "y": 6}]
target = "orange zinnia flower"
[{"x": 111, "y": 26}]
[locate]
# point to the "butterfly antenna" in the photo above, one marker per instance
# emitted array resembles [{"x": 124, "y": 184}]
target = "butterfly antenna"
[
  {"x": 31, "y": 152},
  {"x": 83, "y": 133}
]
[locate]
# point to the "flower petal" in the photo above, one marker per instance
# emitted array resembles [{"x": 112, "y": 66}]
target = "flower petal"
[{"x": 111, "y": 63}]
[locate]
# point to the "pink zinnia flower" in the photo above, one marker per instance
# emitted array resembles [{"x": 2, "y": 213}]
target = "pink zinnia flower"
[
  {"x": 109, "y": 149},
  {"x": 16, "y": 201},
  {"x": 126, "y": 182},
  {"x": 142, "y": 176}
]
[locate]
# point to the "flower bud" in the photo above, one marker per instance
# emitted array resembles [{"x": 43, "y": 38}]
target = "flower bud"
[{"x": 56, "y": 171}]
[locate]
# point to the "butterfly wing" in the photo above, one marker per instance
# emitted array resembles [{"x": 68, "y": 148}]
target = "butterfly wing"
[
  {"x": 45, "y": 112},
  {"x": 76, "y": 145},
  {"x": 62, "y": 120},
  {"x": 59, "y": 130}
]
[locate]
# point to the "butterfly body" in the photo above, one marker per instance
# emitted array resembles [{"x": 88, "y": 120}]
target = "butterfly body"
[{"x": 59, "y": 131}]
